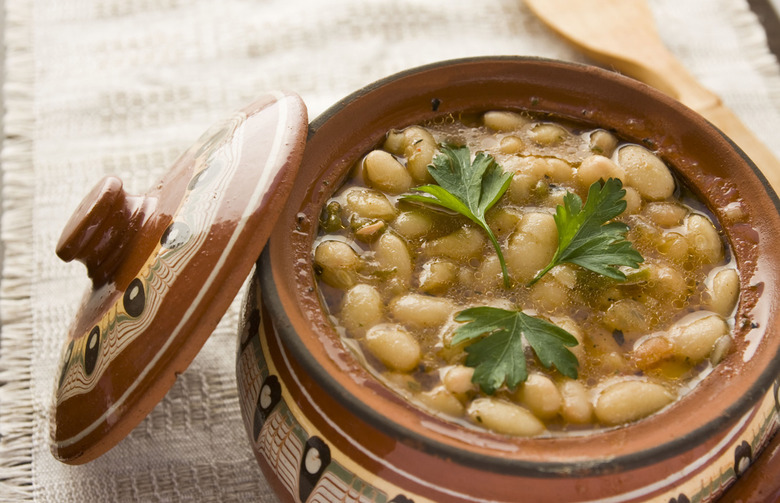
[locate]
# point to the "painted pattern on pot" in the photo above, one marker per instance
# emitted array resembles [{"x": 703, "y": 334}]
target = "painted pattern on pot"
[
  {"x": 301, "y": 459},
  {"x": 292, "y": 450}
]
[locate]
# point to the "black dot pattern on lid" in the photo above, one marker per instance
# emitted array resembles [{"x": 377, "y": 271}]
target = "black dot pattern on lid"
[
  {"x": 66, "y": 363},
  {"x": 199, "y": 178},
  {"x": 92, "y": 350},
  {"x": 134, "y": 298},
  {"x": 177, "y": 234}
]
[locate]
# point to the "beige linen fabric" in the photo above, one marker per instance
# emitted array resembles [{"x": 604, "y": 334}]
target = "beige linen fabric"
[{"x": 96, "y": 87}]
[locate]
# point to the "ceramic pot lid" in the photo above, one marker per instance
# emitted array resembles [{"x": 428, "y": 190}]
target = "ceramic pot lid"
[{"x": 165, "y": 266}]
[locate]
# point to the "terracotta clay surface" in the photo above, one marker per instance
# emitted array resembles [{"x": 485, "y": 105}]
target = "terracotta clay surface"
[
  {"x": 165, "y": 266},
  {"x": 698, "y": 430}
]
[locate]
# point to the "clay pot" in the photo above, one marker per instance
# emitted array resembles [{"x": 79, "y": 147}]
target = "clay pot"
[{"x": 323, "y": 429}]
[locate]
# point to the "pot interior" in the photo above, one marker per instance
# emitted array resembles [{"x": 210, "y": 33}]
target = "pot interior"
[{"x": 705, "y": 160}]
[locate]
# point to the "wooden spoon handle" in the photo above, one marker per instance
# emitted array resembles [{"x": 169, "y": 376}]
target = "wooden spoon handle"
[{"x": 734, "y": 128}]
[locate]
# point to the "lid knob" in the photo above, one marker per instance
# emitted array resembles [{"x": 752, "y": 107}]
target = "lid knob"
[{"x": 99, "y": 230}]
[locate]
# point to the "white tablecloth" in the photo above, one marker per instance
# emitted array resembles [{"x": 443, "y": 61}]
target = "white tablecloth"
[{"x": 96, "y": 87}]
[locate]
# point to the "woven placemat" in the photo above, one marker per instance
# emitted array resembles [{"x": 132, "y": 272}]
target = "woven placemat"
[{"x": 122, "y": 87}]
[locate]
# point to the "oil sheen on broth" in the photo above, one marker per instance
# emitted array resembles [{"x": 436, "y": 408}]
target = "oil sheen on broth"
[{"x": 393, "y": 275}]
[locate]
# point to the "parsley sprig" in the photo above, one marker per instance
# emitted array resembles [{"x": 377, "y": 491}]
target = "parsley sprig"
[
  {"x": 586, "y": 236},
  {"x": 499, "y": 357},
  {"x": 466, "y": 187}
]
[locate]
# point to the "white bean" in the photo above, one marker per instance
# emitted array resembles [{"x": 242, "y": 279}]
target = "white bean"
[
  {"x": 502, "y": 221},
  {"x": 438, "y": 275},
  {"x": 724, "y": 292},
  {"x": 597, "y": 167},
  {"x": 674, "y": 246},
  {"x": 361, "y": 309},
  {"x": 549, "y": 294},
  {"x": 532, "y": 246},
  {"x": 558, "y": 170},
  {"x": 576, "y": 407},
  {"x": 393, "y": 346},
  {"x": 412, "y": 224},
  {"x": 511, "y": 144},
  {"x": 504, "y": 417},
  {"x": 633, "y": 200},
  {"x": 442, "y": 400},
  {"x": 651, "y": 351},
  {"x": 466, "y": 277},
  {"x": 695, "y": 340},
  {"x": 465, "y": 243},
  {"x": 457, "y": 379},
  {"x": 667, "y": 282},
  {"x": 571, "y": 326},
  {"x": 721, "y": 349},
  {"x": 489, "y": 275},
  {"x": 603, "y": 142},
  {"x": 629, "y": 400},
  {"x": 627, "y": 315},
  {"x": 395, "y": 142},
  {"x": 565, "y": 274},
  {"x": 666, "y": 214},
  {"x": 419, "y": 149},
  {"x": 338, "y": 262},
  {"x": 646, "y": 172},
  {"x": 384, "y": 172},
  {"x": 528, "y": 173},
  {"x": 703, "y": 239},
  {"x": 498, "y": 120},
  {"x": 547, "y": 134},
  {"x": 521, "y": 187},
  {"x": 421, "y": 311},
  {"x": 540, "y": 394},
  {"x": 392, "y": 254},
  {"x": 530, "y": 165},
  {"x": 367, "y": 203}
]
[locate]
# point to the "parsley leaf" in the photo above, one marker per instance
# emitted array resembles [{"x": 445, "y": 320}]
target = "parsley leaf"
[
  {"x": 468, "y": 188},
  {"x": 499, "y": 357},
  {"x": 586, "y": 239}
]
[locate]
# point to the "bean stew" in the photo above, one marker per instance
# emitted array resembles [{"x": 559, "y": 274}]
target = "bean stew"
[{"x": 394, "y": 274}]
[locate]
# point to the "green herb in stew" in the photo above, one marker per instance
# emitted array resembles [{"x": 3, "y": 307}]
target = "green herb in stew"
[{"x": 469, "y": 188}]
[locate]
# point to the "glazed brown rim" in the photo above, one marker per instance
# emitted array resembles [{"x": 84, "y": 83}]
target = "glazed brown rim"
[{"x": 292, "y": 218}]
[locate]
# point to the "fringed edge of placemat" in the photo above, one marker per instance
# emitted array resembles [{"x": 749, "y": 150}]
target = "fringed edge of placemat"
[
  {"x": 757, "y": 52},
  {"x": 16, "y": 232}
]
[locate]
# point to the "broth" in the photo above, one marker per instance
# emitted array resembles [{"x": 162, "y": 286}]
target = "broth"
[{"x": 394, "y": 274}]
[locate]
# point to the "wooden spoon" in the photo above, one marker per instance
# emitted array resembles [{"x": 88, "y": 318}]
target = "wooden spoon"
[{"x": 622, "y": 35}]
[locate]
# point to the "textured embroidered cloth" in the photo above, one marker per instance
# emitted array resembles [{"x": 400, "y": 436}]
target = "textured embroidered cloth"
[{"x": 122, "y": 87}]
